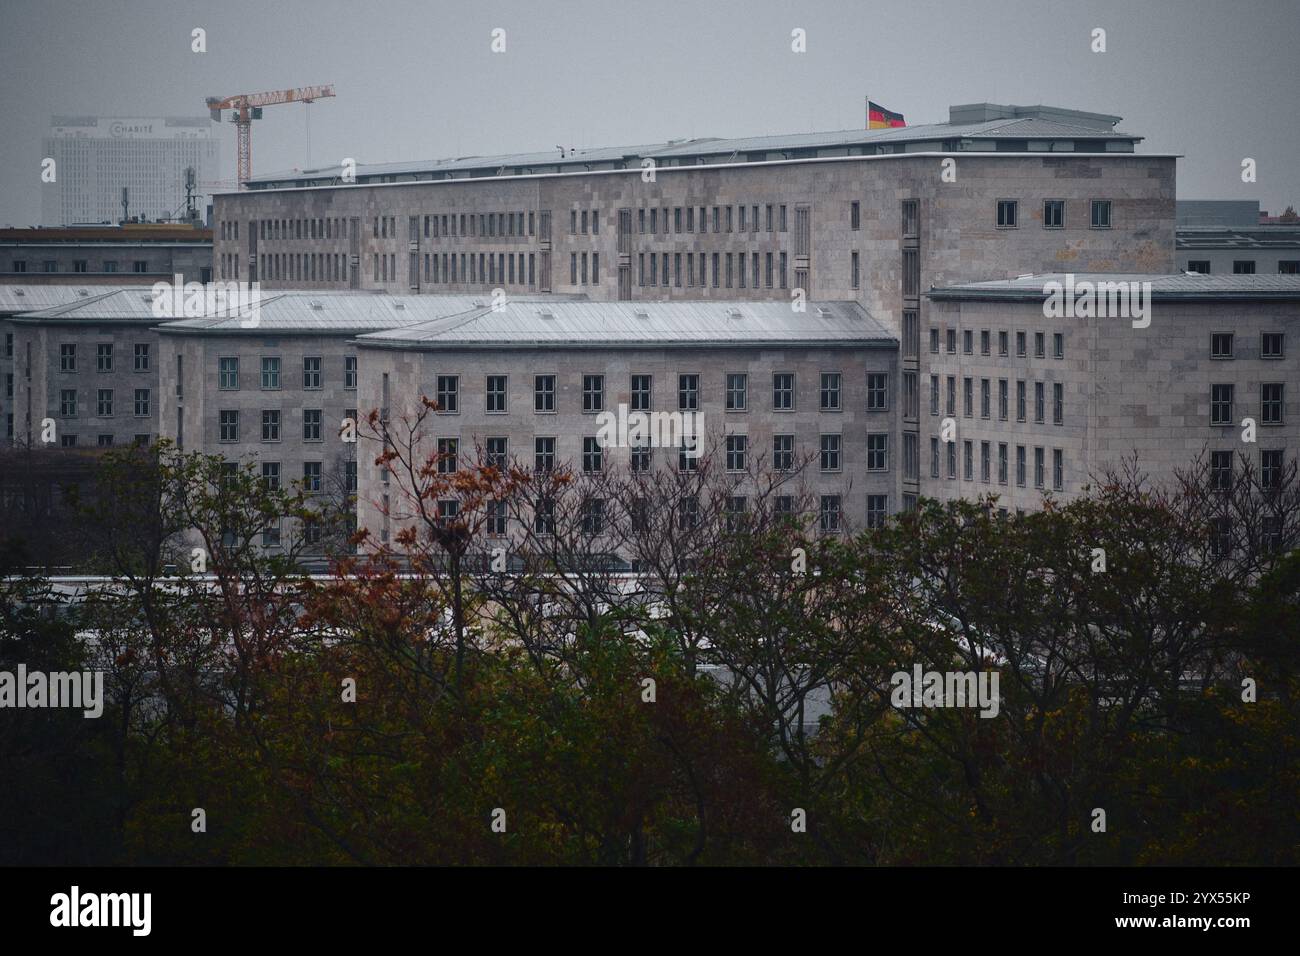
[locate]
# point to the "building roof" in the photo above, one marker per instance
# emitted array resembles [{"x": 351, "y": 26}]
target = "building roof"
[
  {"x": 1178, "y": 285},
  {"x": 17, "y": 298},
  {"x": 1016, "y": 126},
  {"x": 343, "y": 312},
  {"x": 1261, "y": 237},
  {"x": 521, "y": 324},
  {"x": 151, "y": 233}
]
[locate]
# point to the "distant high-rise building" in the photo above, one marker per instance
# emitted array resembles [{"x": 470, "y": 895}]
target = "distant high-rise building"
[{"x": 96, "y": 157}]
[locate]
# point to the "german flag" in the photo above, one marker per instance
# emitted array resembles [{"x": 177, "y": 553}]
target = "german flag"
[{"x": 880, "y": 118}]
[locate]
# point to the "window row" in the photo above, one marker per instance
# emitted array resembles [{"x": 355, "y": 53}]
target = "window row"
[
  {"x": 730, "y": 270},
  {"x": 736, "y": 392},
  {"x": 943, "y": 459},
  {"x": 986, "y": 399},
  {"x": 1008, "y": 213},
  {"x": 141, "y": 357},
  {"x": 949, "y": 336},
  {"x": 1272, "y": 345},
  {"x": 229, "y": 421},
  {"x": 770, "y": 217},
  {"x": 785, "y": 454},
  {"x": 312, "y": 372},
  {"x": 1271, "y": 404},
  {"x": 142, "y": 403},
  {"x": 138, "y": 266},
  {"x": 500, "y": 268}
]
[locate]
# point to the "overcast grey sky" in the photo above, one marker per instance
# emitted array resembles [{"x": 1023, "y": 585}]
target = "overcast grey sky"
[{"x": 1213, "y": 81}]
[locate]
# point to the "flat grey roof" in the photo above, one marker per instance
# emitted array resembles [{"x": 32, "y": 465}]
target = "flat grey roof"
[
  {"x": 1178, "y": 285},
  {"x": 523, "y": 324},
  {"x": 1032, "y": 123},
  {"x": 337, "y": 312},
  {"x": 17, "y": 298}
]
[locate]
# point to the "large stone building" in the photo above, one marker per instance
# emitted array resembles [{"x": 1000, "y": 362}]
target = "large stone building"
[
  {"x": 128, "y": 254},
  {"x": 874, "y": 303},
  {"x": 1046, "y": 399},
  {"x": 95, "y": 158},
  {"x": 768, "y": 390},
  {"x": 1230, "y": 237}
]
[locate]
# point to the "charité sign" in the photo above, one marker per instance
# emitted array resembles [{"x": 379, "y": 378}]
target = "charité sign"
[{"x": 129, "y": 128}]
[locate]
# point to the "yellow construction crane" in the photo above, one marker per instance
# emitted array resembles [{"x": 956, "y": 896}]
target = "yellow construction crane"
[{"x": 248, "y": 107}]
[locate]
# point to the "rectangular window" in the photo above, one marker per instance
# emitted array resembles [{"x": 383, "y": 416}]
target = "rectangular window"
[
  {"x": 830, "y": 452},
  {"x": 271, "y": 475},
  {"x": 543, "y": 393},
  {"x": 934, "y": 395},
  {"x": 543, "y": 454},
  {"x": 1270, "y": 401},
  {"x": 228, "y": 373},
  {"x": 1040, "y": 345},
  {"x": 593, "y": 393},
  {"x": 877, "y": 452},
  {"x": 1040, "y": 409},
  {"x": 934, "y": 457},
  {"x": 985, "y": 462},
  {"x": 1002, "y": 463},
  {"x": 1038, "y": 468},
  {"x": 736, "y": 447},
  {"x": 1007, "y": 213},
  {"x": 1271, "y": 345},
  {"x": 737, "y": 391},
  {"x": 1221, "y": 345},
  {"x": 1053, "y": 213},
  {"x": 104, "y": 403},
  {"x": 830, "y": 514},
  {"x": 877, "y": 391},
  {"x": 1020, "y": 400},
  {"x": 641, "y": 393},
  {"x": 1101, "y": 214},
  {"x": 1220, "y": 404},
  {"x": 311, "y": 475},
  {"x": 104, "y": 357},
  {"x": 270, "y": 425},
  {"x": 968, "y": 460},
  {"x": 688, "y": 393},
  {"x": 270, "y": 372},
  {"x": 1003, "y": 399},
  {"x": 494, "y": 453},
  {"x": 311, "y": 424},
  {"x": 1020, "y": 465},
  {"x": 67, "y": 358},
  {"x": 1271, "y": 468},
  {"x": 228, "y": 425},
  {"x": 1058, "y": 345},
  {"x": 448, "y": 455},
  {"x": 593, "y": 458},
  {"x": 496, "y": 394},
  {"x": 783, "y": 391},
  {"x": 68, "y": 403},
  {"x": 142, "y": 357},
  {"x": 311, "y": 377},
  {"x": 1058, "y": 403},
  {"x": 1221, "y": 470},
  {"x": 142, "y": 403},
  {"x": 1058, "y": 469},
  {"x": 782, "y": 452},
  {"x": 877, "y": 510},
  {"x": 447, "y": 394},
  {"x": 855, "y": 215},
  {"x": 830, "y": 392}
]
